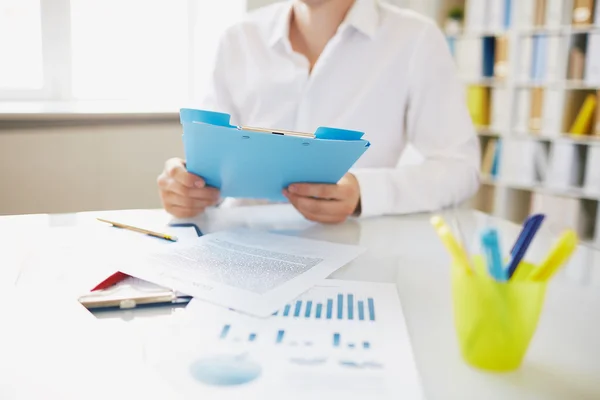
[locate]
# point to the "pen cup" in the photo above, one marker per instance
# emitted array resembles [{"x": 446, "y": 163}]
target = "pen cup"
[{"x": 495, "y": 321}]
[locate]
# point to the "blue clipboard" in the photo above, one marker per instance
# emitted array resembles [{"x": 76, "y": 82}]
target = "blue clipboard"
[{"x": 259, "y": 163}]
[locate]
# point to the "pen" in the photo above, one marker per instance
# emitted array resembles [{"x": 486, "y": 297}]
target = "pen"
[
  {"x": 491, "y": 246},
  {"x": 530, "y": 228},
  {"x": 559, "y": 254},
  {"x": 456, "y": 251},
  {"x": 140, "y": 230}
]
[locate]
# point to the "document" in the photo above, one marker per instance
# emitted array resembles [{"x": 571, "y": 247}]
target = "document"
[
  {"x": 341, "y": 339},
  {"x": 251, "y": 271}
]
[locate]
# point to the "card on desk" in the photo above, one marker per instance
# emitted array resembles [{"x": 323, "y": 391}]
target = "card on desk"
[{"x": 260, "y": 163}]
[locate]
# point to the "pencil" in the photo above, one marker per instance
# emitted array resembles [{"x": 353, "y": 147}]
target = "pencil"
[{"x": 140, "y": 230}]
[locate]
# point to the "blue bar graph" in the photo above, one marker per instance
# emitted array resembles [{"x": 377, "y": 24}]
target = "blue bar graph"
[
  {"x": 354, "y": 310},
  {"x": 225, "y": 331},
  {"x": 251, "y": 337},
  {"x": 371, "y": 309},
  {"x": 350, "y": 306},
  {"x": 336, "y": 340},
  {"x": 361, "y": 310},
  {"x": 298, "y": 307},
  {"x": 308, "y": 307},
  {"x": 366, "y": 345},
  {"x": 280, "y": 336}
]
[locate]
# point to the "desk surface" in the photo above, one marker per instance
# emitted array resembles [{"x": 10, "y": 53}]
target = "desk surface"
[{"x": 563, "y": 361}]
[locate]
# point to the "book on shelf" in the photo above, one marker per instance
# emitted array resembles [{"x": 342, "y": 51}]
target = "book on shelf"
[
  {"x": 597, "y": 121},
  {"x": 489, "y": 52},
  {"x": 522, "y": 109},
  {"x": 576, "y": 64},
  {"x": 592, "y": 62},
  {"x": 537, "y": 106},
  {"x": 469, "y": 57},
  {"x": 501, "y": 57},
  {"x": 553, "y": 70},
  {"x": 539, "y": 17},
  {"x": 583, "y": 121},
  {"x": 582, "y": 12},
  {"x": 478, "y": 101},
  {"x": 496, "y": 162},
  {"x": 475, "y": 15},
  {"x": 489, "y": 154}
]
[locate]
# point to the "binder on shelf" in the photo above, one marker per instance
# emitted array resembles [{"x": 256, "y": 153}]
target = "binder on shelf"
[
  {"x": 582, "y": 12},
  {"x": 501, "y": 58},
  {"x": 476, "y": 15},
  {"x": 496, "y": 163},
  {"x": 526, "y": 12},
  {"x": 259, "y": 163},
  {"x": 576, "y": 64},
  {"x": 539, "y": 18},
  {"x": 592, "y": 170},
  {"x": 508, "y": 13},
  {"x": 553, "y": 112},
  {"x": 562, "y": 213},
  {"x": 489, "y": 52},
  {"x": 478, "y": 101},
  {"x": 553, "y": 71},
  {"x": 565, "y": 168},
  {"x": 495, "y": 16},
  {"x": 500, "y": 108},
  {"x": 518, "y": 163},
  {"x": 541, "y": 158},
  {"x": 538, "y": 64},
  {"x": 592, "y": 62},
  {"x": 537, "y": 104},
  {"x": 525, "y": 59},
  {"x": 523, "y": 109},
  {"x": 554, "y": 13},
  {"x": 583, "y": 122},
  {"x": 469, "y": 55}
]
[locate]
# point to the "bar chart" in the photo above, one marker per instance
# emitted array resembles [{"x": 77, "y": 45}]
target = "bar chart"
[
  {"x": 339, "y": 307},
  {"x": 279, "y": 337}
]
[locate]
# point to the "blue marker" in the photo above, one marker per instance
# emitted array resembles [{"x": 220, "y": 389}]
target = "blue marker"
[
  {"x": 491, "y": 247},
  {"x": 530, "y": 228}
]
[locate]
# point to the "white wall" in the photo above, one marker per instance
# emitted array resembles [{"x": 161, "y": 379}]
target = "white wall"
[{"x": 67, "y": 169}]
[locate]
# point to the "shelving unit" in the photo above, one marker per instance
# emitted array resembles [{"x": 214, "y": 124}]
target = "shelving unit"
[{"x": 530, "y": 174}]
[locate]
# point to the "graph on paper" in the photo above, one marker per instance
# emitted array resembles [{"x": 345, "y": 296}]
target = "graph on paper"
[{"x": 341, "y": 307}]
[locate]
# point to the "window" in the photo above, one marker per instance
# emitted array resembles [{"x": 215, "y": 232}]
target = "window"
[
  {"x": 21, "y": 66},
  {"x": 133, "y": 50}
]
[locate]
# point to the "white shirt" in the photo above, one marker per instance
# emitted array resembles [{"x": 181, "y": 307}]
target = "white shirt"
[{"x": 387, "y": 72}]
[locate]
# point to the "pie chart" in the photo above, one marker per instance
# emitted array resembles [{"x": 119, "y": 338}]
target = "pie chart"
[{"x": 225, "y": 370}]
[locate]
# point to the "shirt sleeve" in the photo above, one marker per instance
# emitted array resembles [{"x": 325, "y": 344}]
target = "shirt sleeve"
[{"x": 439, "y": 126}]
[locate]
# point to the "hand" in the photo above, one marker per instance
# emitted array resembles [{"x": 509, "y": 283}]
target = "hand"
[
  {"x": 325, "y": 203},
  {"x": 184, "y": 195}
]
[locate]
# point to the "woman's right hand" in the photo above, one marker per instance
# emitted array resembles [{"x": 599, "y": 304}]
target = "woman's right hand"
[{"x": 184, "y": 195}]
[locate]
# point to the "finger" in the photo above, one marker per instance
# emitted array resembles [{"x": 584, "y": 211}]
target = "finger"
[
  {"x": 206, "y": 193},
  {"x": 318, "y": 206},
  {"x": 183, "y": 212},
  {"x": 173, "y": 199},
  {"x": 321, "y": 191},
  {"x": 175, "y": 168}
]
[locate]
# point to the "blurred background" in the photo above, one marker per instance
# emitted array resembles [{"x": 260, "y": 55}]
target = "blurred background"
[{"x": 90, "y": 92}]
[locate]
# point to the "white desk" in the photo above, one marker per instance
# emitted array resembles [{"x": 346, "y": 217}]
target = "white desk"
[{"x": 563, "y": 361}]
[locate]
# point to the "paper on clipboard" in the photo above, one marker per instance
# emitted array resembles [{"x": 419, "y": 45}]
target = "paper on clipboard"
[{"x": 246, "y": 270}]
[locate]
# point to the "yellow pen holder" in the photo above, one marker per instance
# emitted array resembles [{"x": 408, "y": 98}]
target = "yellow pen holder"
[{"x": 495, "y": 321}]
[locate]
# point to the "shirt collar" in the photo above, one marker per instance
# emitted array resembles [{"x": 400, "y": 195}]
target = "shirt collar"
[{"x": 363, "y": 16}]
